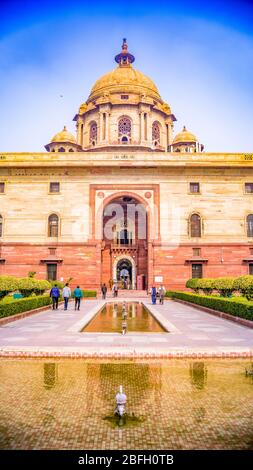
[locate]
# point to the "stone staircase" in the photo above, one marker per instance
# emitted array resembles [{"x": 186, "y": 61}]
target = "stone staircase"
[{"x": 127, "y": 294}]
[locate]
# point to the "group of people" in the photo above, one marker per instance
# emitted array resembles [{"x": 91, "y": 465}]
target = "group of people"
[
  {"x": 66, "y": 294},
  {"x": 160, "y": 293},
  {"x": 115, "y": 289},
  {"x": 153, "y": 291}
]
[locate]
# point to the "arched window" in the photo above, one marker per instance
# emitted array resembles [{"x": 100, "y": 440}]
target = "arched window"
[
  {"x": 156, "y": 137},
  {"x": 195, "y": 225},
  {"x": 71, "y": 150},
  {"x": 124, "y": 129},
  {"x": 250, "y": 225},
  {"x": 93, "y": 133},
  {"x": 61, "y": 149},
  {"x": 53, "y": 225},
  {"x": 1, "y": 226}
]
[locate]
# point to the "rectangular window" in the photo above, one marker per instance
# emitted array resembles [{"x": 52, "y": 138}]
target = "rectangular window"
[
  {"x": 124, "y": 97},
  {"x": 249, "y": 188},
  {"x": 197, "y": 271},
  {"x": 52, "y": 272},
  {"x": 2, "y": 188},
  {"x": 196, "y": 251},
  {"x": 194, "y": 188},
  {"x": 251, "y": 269},
  {"x": 52, "y": 250},
  {"x": 54, "y": 187}
]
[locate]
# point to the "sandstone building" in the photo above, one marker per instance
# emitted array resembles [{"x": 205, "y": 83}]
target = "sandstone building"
[{"x": 125, "y": 198}]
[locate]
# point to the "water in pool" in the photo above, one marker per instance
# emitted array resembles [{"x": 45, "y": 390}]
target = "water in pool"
[
  {"x": 172, "y": 404},
  {"x": 109, "y": 319}
]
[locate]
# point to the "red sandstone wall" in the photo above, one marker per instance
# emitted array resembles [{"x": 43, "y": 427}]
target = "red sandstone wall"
[
  {"x": 171, "y": 262},
  {"x": 83, "y": 262}
]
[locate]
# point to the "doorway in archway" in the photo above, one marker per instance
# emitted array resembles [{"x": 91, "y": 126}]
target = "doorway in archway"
[{"x": 124, "y": 273}]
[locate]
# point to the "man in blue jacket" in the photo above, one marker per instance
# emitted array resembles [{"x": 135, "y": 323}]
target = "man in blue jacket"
[{"x": 55, "y": 294}]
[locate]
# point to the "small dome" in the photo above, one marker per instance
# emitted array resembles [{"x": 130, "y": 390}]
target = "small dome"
[
  {"x": 64, "y": 136},
  {"x": 185, "y": 137}
]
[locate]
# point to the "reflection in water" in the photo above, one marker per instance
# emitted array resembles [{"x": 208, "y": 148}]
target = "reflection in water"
[
  {"x": 166, "y": 406},
  {"x": 50, "y": 374},
  {"x": 109, "y": 319},
  {"x": 198, "y": 374}
]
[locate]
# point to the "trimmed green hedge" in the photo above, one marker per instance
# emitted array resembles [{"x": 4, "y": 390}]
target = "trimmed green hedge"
[
  {"x": 224, "y": 285},
  {"x": 237, "y": 306},
  {"x": 87, "y": 293},
  {"x": 25, "y": 285},
  {"x": 23, "y": 305}
]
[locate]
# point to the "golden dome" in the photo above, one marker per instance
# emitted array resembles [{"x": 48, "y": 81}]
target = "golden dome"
[
  {"x": 185, "y": 137},
  {"x": 124, "y": 80},
  {"x": 64, "y": 136}
]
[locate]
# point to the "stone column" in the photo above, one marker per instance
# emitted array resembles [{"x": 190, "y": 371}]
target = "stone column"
[
  {"x": 149, "y": 128},
  {"x": 141, "y": 126},
  {"x": 107, "y": 127},
  {"x": 100, "y": 127},
  {"x": 170, "y": 133}
]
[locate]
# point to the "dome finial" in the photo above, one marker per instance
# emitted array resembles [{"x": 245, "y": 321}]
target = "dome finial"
[{"x": 124, "y": 59}]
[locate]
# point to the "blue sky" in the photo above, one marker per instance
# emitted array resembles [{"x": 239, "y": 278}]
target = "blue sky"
[{"x": 199, "y": 55}]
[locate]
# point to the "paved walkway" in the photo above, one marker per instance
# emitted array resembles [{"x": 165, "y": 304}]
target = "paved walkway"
[{"x": 191, "y": 332}]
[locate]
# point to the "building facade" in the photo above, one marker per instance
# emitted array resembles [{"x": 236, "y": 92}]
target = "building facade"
[{"x": 126, "y": 199}]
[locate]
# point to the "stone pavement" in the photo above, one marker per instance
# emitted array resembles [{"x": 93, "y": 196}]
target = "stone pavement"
[{"x": 191, "y": 332}]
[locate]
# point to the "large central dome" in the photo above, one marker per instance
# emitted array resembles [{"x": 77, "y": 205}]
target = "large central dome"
[{"x": 124, "y": 80}]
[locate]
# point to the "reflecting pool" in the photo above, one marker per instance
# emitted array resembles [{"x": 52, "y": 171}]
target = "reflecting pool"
[
  {"x": 109, "y": 319},
  {"x": 172, "y": 404}
]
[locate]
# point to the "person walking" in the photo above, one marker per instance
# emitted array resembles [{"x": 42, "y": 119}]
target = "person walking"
[
  {"x": 115, "y": 290},
  {"x": 162, "y": 292},
  {"x": 77, "y": 296},
  {"x": 153, "y": 295},
  {"x": 66, "y": 293},
  {"x": 55, "y": 294},
  {"x": 104, "y": 290}
]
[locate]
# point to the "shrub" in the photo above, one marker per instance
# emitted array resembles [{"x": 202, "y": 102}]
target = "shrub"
[
  {"x": 26, "y": 286},
  {"x": 244, "y": 284},
  {"x": 31, "y": 274},
  {"x": 23, "y": 305},
  {"x": 41, "y": 286},
  {"x": 193, "y": 284},
  {"x": 7, "y": 284},
  {"x": 225, "y": 286},
  {"x": 87, "y": 293},
  {"x": 206, "y": 285},
  {"x": 57, "y": 283},
  {"x": 236, "y": 306}
]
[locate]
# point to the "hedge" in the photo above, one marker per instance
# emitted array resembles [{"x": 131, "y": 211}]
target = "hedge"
[
  {"x": 87, "y": 293},
  {"x": 29, "y": 285},
  {"x": 26, "y": 286},
  {"x": 244, "y": 284},
  {"x": 224, "y": 285},
  {"x": 236, "y": 306},
  {"x": 23, "y": 305},
  {"x": 7, "y": 284}
]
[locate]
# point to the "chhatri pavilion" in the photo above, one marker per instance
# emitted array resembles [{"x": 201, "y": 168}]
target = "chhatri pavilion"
[{"x": 125, "y": 198}]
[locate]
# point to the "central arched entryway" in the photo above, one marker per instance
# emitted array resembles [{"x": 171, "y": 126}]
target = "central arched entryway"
[
  {"x": 124, "y": 271},
  {"x": 125, "y": 248}
]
